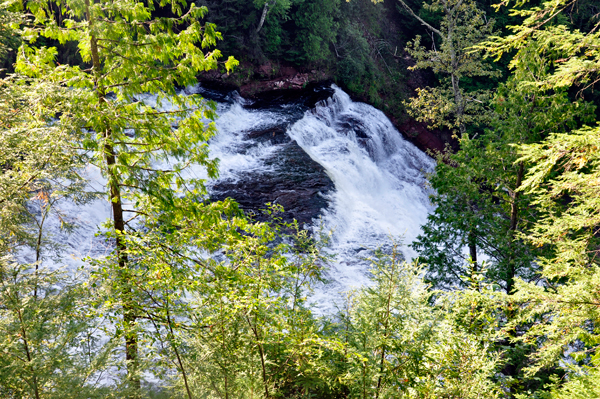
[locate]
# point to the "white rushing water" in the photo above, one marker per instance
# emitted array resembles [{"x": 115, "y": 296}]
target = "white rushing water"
[
  {"x": 236, "y": 153},
  {"x": 380, "y": 185},
  {"x": 380, "y": 179}
]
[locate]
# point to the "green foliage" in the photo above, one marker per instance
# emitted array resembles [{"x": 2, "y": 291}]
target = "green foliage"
[
  {"x": 389, "y": 328},
  {"x": 353, "y": 48},
  {"x": 359, "y": 29},
  {"x": 129, "y": 59},
  {"x": 560, "y": 307},
  {"x": 233, "y": 324},
  {"x": 252, "y": 334},
  {"x": 578, "y": 386},
  {"x": 141, "y": 150},
  {"x": 486, "y": 201},
  {"x": 399, "y": 345},
  {"x": 49, "y": 347},
  {"x": 9, "y": 37},
  {"x": 573, "y": 53},
  {"x": 214, "y": 304},
  {"x": 464, "y": 355},
  {"x": 484, "y": 176},
  {"x": 369, "y": 61},
  {"x": 316, "y": 29},
  {"x": 299, "y": 31},
  {"x": 35, "y": 159},
  {"x": 354, "y": 42},
  {"x": 449, "y": 105},
  {"x": 562, "y": 182}
]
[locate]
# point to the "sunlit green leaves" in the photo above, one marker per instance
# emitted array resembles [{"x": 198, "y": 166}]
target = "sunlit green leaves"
[
  {"x": 48, "y": 348},
  {"x": 453, "y": 60},
  {"x": 398, "y": 344}
]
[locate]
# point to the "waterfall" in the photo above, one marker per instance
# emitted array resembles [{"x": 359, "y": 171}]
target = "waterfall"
[
  {"x": 380, "y": 189},
  {"x": 371, "y": 183},
  {"x": 380, "y": 182}
]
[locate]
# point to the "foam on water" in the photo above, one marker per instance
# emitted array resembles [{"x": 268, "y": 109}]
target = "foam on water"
[
  {"x": 236, "y": 153},
  {"x": 83, "y": 241},
  {"x": 380, "y": 186}
]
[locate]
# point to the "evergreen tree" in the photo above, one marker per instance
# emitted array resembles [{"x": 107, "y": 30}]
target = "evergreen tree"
[
  {"x": 252, "y": 334},
  {"x": 478, "y": 194},
  {"x": 561, "y": 305},
  {"x": 450, "y": 105},
  {"x": 49, "y": 347},
  {"x": 389, "y": 329},
  {"x": 130, "y": 54},
  {"x": 399, "y": 345}
]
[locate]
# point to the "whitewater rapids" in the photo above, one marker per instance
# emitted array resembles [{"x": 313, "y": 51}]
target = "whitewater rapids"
[{"x": 380, "y": 189}]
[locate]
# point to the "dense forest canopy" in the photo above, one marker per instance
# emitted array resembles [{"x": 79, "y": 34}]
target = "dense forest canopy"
[{"x": 196, "y": 299}]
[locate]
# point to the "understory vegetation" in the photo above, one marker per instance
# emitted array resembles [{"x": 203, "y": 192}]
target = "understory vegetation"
[{"x": 194, "y": 299}]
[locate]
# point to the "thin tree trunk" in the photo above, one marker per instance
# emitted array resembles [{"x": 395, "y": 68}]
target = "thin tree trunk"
[
  {"x": 38, "y": 249},
  {"x": 262, "y": 359},
  {"x": 129, "y": 317},
  {"x": 36, "y": 390},
  {"x": 172, "y": 336},
  {"x": 514, "y": 221},
  {"x": 473, "y": 248},
  {"x": 364, "y": 375},
  {"x": 226, "y": 374},
  {"x": 263, "y": 16},
  {"x": 385, "y": 336},
  {"x": 472, "y": 239},
  {"x": 458, "y": 97},
  {"x": 262, "y": 356},
  {"x": 421, "y": 20}
]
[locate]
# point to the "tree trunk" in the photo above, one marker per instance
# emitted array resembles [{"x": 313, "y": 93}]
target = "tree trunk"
[
  {"x": 458, "y": 97},
  {"x": 24, "y": 339},
  {"x": 472, "y": 240},
  {"x": 129, "y": 317},
  {"x": 386, "y": 333},
  {"x": 263, "y": 16},
  {"x": 262, "y": 356},
  {"x": 514, "y": 221}
]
